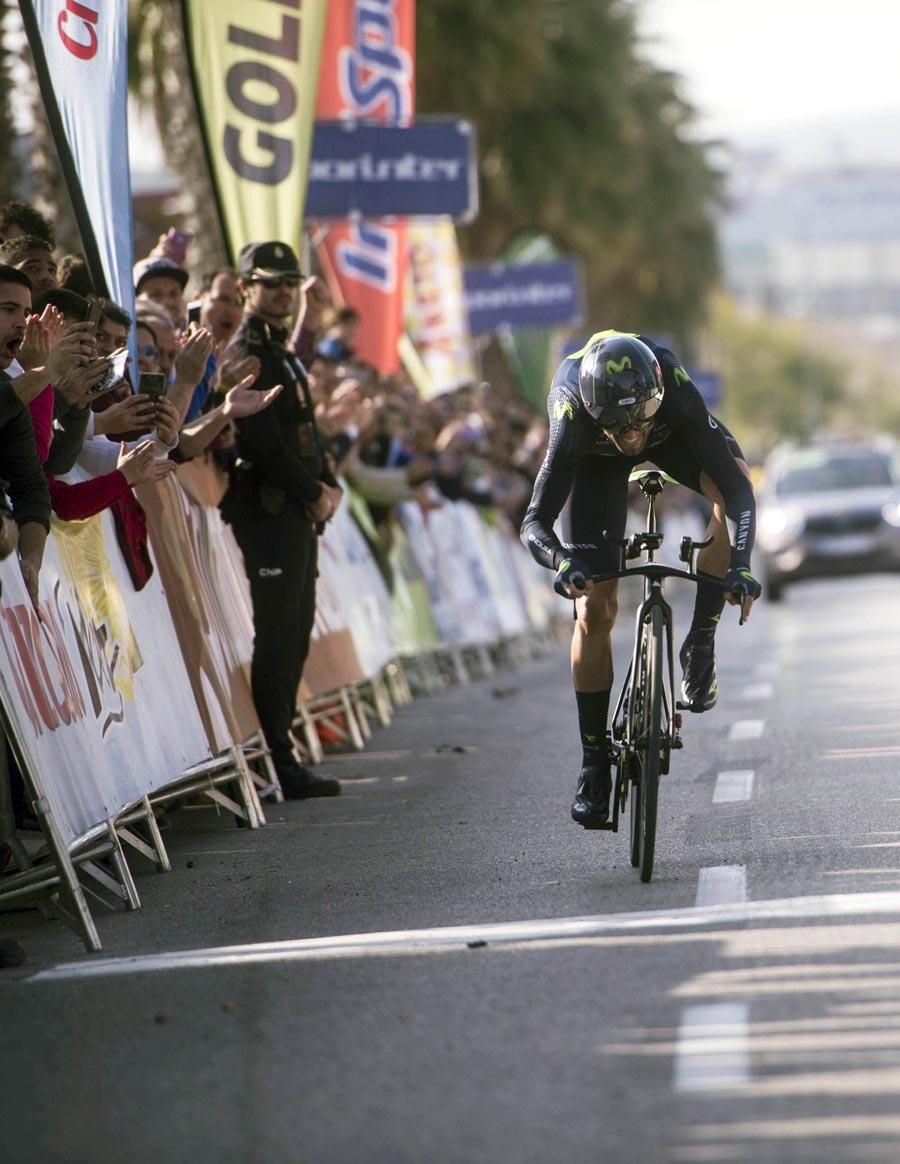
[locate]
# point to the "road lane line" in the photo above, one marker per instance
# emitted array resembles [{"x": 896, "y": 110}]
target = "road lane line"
[
  {"x": 712, "y": 1051},
  {"x": 747, "y": 729},
  {"x": 722, "y": 885},
  {"x": 757, "y": 691},
  {"x": 733, "y": 786},
  {"x": 452, "y": 939}
]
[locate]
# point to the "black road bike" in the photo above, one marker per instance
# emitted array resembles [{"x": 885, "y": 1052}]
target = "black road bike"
[{"x": 645, "y": 726}]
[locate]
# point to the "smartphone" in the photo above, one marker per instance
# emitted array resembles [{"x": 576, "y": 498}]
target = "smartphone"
[
  {"x": 152, "y": 384},
  {"x": 193, "y": 312},
  {"x": 94, "y": 314},
  {"x": 116, "y": 366},
  {"x": 179, "y": 238}
]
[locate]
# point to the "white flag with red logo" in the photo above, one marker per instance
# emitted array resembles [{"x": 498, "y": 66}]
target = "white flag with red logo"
[{"x": 80, "y": 53}]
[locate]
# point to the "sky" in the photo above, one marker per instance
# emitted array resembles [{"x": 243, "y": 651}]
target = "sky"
[{"x": 761, "y": 65}]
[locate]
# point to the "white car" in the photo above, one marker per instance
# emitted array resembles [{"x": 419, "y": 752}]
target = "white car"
[{"x": 826, "y": 509}]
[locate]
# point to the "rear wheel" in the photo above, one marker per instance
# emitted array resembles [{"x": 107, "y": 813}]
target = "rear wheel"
[{"x": 647, "y": 738}]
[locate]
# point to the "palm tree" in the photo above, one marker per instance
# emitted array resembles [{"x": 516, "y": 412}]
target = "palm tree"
[
  {"x": 160, "y": 79},
  {"x": 28, "y": 160}
]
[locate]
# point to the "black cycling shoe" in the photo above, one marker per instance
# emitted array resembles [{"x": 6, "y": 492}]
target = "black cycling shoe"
[
  {"x": 700, "y": 684},
  {"x": 590, "y": 807}
]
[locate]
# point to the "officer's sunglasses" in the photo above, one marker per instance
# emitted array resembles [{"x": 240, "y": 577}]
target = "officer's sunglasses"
[{"x": 272, "y": 281}]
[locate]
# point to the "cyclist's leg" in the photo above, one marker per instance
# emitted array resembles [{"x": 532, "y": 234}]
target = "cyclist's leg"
[
  {"x": 598, "y": 502},
  {"x": 699, "y": 688}
]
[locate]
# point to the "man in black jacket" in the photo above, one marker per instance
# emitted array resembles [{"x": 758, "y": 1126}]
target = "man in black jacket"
[
  {"x": 281, "y": 494},
  {"x": 20, "y": 469}
]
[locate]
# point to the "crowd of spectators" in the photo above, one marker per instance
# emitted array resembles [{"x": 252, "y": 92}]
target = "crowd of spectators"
[
  {"x": 78, "y": 430},
  {"x": 95, "y": 400}
]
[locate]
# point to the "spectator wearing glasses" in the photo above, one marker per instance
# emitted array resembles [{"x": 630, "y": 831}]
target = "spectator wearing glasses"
[{"x": 281, "y": 494}]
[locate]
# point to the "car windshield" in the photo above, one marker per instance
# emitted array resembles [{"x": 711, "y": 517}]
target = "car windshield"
[{"x": 820, "y": 472}]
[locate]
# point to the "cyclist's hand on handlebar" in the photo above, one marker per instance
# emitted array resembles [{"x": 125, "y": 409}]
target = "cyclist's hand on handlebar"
[
  {"x": 742, "y": 589},
  {"x": 573, "y": 577}
]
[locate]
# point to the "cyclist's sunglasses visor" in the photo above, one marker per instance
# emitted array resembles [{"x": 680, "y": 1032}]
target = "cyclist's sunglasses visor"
[{"x": 623, "y": 416}]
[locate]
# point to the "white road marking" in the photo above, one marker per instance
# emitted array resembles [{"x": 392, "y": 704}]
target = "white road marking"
[
  {"x": 747, "y": 729},
  {"x": 518, "y": 935},
  {"x": 712, "y": 1051},
  {"x": 757, "y": 691},
  {"x": 733, "y": 786},
  {"x": 722, "y": 885},
  {"x": 861, "y": 753},
  {"x": 361, "y": 757}
]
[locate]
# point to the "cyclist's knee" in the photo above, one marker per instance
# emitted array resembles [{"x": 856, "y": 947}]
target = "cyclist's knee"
[{"x": 596, "y": 612}]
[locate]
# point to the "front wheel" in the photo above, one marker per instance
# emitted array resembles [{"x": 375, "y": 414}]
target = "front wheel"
[{"x": 646, "y": 734}]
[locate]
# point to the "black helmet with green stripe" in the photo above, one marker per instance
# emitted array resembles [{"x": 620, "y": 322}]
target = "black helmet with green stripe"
[{"x": 620, "y": 381}]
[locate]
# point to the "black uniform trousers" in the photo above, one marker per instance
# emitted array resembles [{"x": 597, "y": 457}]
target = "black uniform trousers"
[{"x": 280, "y": 552}]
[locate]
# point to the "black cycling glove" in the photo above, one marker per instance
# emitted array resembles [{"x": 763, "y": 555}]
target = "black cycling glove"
[
  {"x": 571, "y": 572},
  {"x": 739, "y": 579}
]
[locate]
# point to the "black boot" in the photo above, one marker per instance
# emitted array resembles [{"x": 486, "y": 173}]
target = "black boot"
[
  {"x": 590, "y": 807},
  {"x": 700, "y": 684},
  {"x": 301, "y": 783}
]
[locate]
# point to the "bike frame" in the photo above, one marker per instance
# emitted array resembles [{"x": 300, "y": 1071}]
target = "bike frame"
[{"x": 653, "y": 574}]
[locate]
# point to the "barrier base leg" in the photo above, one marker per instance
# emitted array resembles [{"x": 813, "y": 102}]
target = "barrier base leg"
[{"x": 150, "y": 846}]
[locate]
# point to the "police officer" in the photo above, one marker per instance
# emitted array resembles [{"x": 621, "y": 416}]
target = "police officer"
[{"x": 280, "y": 497}]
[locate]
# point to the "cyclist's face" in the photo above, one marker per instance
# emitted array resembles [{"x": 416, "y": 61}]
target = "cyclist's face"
[{"x": 630, "y": 441}]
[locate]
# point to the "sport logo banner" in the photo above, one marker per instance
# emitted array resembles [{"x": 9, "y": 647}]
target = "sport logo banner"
[
  {"x": 254, "y": 66},
  {"x": 368, "y": 73},
  {"x": 80, "y": 55}
]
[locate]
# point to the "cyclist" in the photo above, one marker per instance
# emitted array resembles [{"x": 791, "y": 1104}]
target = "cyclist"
[{"x": 618, "y": 402}]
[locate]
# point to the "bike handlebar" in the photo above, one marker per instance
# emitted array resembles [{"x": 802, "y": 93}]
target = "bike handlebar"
[
  {"x": 648, "y": 570},
  {"x": 656, "y": 570}
]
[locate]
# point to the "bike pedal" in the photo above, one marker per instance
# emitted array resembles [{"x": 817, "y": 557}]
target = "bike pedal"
[{"x": 678, "y": 742}]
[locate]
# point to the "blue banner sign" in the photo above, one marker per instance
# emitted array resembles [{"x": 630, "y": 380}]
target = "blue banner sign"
[
  {"x": 374, "y": 171},
  {"x": 523, "y": 295}
]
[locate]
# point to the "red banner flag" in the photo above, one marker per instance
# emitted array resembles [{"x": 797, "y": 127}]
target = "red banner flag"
[{"x": 368, "y": 72}]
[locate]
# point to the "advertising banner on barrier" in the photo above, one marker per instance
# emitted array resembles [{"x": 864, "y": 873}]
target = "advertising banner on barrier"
[
  {"x": 80, "y": 55},
  {"x": 374, "y": 170},
  {"x": 254, "y": 66},
  {"x": 367, "y": 73},
  {"x": 436, "y": 318},
  {"x": 94, "y": 689},
  {"x": 523, "y": 295},
  {"x": 179, "y": 535}
]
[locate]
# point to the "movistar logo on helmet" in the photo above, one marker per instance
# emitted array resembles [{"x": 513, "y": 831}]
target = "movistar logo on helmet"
[
  {"x": 563, "y": 408},
  {"x": 565, "y": 564},
  {"x": 681, "y": 377},
  {"x": 613, "y": 366}
]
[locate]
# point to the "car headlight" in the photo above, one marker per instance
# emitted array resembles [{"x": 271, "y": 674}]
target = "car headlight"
[
  {"x": 779, "y": 527},
  {"x": 891, "y": 513}
]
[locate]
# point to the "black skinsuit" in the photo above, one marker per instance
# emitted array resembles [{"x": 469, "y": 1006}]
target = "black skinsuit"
[
  {"x": 585, "y": 477},
  {"x": 278, "y": 474}
]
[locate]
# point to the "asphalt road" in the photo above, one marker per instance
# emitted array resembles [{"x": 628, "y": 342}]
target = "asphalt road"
[{"x": 439, "y": 966}]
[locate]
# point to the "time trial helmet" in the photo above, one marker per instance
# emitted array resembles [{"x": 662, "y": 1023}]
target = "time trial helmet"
[{"x": 621, "y": 382}]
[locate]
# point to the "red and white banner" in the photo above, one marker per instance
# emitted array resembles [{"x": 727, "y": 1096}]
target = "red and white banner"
[
  {"x": 94, "y": 690},
  {"x": 368, "y": 72}
]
